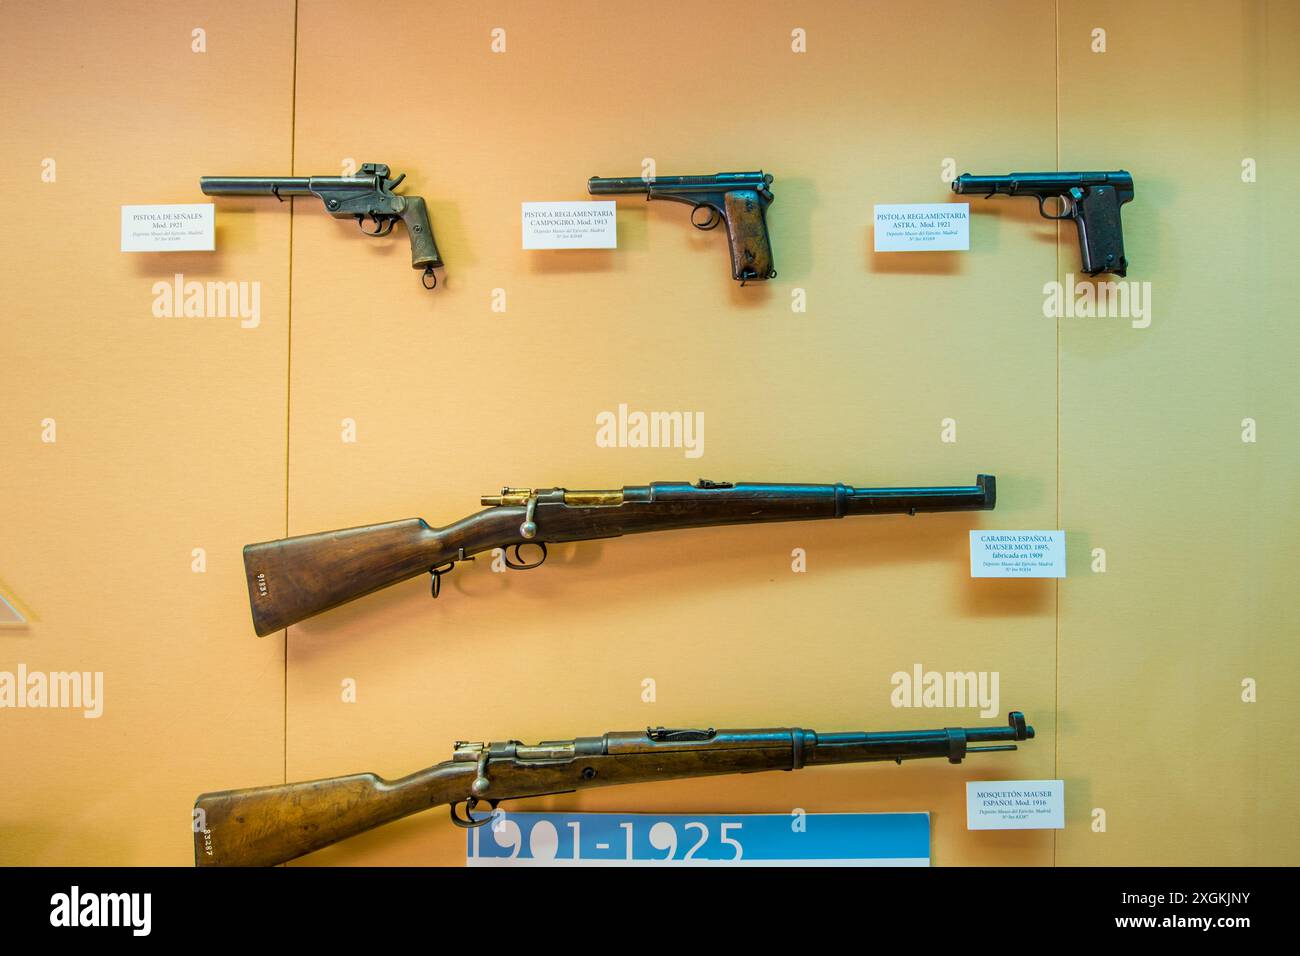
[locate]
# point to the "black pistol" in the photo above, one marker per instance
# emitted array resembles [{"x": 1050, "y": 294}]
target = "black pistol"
[{"x": 1091, "y": 199}]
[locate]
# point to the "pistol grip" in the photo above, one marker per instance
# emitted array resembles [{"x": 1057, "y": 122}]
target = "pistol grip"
[
  {"x": 1101, "y": 236},
  {"x": 424, "y": 251},
  {"x": 751, "y": 250}
]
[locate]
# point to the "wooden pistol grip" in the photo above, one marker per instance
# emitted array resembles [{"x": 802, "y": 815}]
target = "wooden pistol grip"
[
  {"x": 424, "y": 251},
  {"x": 294, "y": 578},
  {"x": 751, "y": 250}
]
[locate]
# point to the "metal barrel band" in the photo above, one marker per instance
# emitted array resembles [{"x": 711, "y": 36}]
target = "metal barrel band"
[{"x": 956, "y": 744}]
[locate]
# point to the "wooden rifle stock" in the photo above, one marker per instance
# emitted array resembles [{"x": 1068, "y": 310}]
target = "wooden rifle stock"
[
  {"x": 295, "y": 578},
  {"x": 263, "y": 826}
]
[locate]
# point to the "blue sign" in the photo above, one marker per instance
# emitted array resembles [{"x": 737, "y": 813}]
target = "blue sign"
[{"x": 685, "y": 839}]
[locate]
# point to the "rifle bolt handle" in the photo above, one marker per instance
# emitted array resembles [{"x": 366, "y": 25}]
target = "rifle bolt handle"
[
  {"x": 529, "y": 528},
  {"x": 481, "y": 782}
]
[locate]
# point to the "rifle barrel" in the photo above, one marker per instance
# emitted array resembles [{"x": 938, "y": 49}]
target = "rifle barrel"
[
  {"x": 982, "y": 496},
  {"x": 950, "y": 742}
]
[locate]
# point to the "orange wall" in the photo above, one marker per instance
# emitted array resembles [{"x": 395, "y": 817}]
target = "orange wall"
[{"x": 175, "y": 434}]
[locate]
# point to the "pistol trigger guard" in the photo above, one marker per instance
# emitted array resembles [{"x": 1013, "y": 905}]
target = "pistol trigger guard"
[
  {"x": 382, "y": 226},
  {"x": 1067, "y": 208},
  {"x": 710, "y": 223}
]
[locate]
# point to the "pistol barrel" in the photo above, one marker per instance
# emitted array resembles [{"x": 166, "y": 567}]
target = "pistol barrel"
[
  {"x": 619, "y": 186},
  {"x": 725, "y": 182},
  {"x": 1013, "y": 184},
  {"x": 255, "y": 185}
]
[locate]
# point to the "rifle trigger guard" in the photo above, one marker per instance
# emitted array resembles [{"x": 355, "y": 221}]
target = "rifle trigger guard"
[
  {"x": 519, "y": 564},
  {"x": 467, "y": 822}
]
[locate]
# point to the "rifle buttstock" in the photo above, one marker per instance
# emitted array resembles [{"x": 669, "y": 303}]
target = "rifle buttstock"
[
  {"x": 295, "y": 578},
  {"x": 265, "y": 826}
]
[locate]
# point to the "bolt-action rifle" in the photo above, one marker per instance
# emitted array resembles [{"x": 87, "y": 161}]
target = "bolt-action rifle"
[
  {"x": 295, "y": 578},
  {"x": 263, "y": 826}
]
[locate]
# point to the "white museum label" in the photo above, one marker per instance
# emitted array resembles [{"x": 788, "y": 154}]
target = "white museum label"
[
  {"x": 175, "y": 227},
  {"x": 1017, "y": 554},
  {"x": 923, "y": 227},
  {"x": 569, "y": 225},
  {"x": 1015, "y": 805}
]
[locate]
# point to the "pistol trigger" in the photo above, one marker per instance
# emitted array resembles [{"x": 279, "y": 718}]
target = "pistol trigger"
[{"x": 361, "y": 224}]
